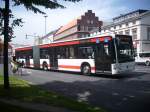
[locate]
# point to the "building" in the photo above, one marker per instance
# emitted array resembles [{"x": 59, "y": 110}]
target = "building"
[
  {"x": 78, "y": 28},
  {"x": 137, "y": 24},
  {"x": 14, "y": 46},
  {"x": 48, "y": 38},
  {"x": 38, "y": 41}
]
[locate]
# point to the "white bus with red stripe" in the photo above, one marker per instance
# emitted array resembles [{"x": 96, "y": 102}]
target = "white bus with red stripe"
[{"x": 112, "y": 54}]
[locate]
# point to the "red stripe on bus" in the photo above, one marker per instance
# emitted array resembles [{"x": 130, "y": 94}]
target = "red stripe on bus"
[
  {"x": 101, "y": 39},
  {"x": 66, "y": 43},
  {"x": 23, "y": 49},
  {"x": 38, "y": 65},
  {"x": 69, "y": 66},
  {"x": 60, "y": 44},
  {"x": 73, "y": 67}
]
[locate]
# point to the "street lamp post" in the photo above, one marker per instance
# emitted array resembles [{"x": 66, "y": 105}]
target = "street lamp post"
[
  {"x": 45, "y": 23},
  {"x": 31, "y": 36},
  {"x": 38, "y": 37}
]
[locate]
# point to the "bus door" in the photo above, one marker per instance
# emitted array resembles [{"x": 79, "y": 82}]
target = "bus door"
[
  {"x": 53, "y": 58},
  {"x": 102, "y": 58},
  {"x": 27, "y": 62}
]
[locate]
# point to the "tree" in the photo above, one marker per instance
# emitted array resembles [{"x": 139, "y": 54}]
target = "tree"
[
  {"x": 15, "y": 22},
  {"x": 7, "y": 31}
]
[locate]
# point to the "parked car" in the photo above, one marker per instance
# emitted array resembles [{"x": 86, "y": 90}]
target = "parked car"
[{"x": 143, "y": 58}]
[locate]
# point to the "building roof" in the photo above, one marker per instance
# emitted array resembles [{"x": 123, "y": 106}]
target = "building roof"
[
  {"x": 50, "y": 33},
  {"x": 69, "y": 25},
  {"x": 141, "y": 15},
  {"x": 139, "y": 11}
]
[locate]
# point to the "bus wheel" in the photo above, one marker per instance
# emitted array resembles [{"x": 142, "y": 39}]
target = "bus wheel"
[
  {"x": 45, "y": 66},
  {"x": 86, "y": 69},
  {"x": 147, "y": 63}
]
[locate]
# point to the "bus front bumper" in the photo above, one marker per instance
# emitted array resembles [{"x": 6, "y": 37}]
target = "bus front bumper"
[{"x": 122, "y": 68}]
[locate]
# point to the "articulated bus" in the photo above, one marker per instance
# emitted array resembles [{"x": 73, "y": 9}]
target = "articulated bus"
[{"x": 113, "y": 54}]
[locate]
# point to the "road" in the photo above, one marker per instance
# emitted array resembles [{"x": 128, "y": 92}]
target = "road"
[{"x": 130, "y": 93}]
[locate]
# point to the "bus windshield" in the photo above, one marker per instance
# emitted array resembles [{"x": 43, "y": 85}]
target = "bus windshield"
[{"x": 124, "y": 48}]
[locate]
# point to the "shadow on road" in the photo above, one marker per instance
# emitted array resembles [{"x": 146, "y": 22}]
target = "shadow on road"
[
  {"x": 113, "y": 95},
  {"x": 124, "y": 93}
]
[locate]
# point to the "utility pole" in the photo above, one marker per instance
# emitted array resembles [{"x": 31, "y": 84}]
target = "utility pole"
[
  {"x": 45, "y": 23},
  {"x": 38, "y": 37},
  {"x": 31, "y": 36},
  {"x": 6, "y": 65}
]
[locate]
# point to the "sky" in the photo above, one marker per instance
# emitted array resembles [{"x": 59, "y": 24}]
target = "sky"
[{"x": 34, "y": 24}]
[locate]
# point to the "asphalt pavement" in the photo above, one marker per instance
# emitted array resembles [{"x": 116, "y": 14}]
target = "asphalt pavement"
[{"x": 128, "y": 93}]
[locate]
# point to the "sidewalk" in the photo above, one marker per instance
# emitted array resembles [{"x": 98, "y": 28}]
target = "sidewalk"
[{"x": 34, "y": 106}]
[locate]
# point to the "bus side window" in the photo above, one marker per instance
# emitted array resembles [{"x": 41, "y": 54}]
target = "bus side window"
[
  {"x": 67, "y": 53},
  {"x": 93, "y": 55},
  {"x": 90, "y": 52},
  {"x": 85, "y": 52},
  {"x": 71, "y": 53}
]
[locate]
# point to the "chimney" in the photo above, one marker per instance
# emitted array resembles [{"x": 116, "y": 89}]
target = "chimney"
[{"x": 89, "y": 11}]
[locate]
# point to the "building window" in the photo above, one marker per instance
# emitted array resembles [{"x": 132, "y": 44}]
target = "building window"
[
  {"x": 120, "y": 26},
  {"x": 121, "y": 32},
  {"x": 78, "y": 27},
  {"x": 108, "y": 29},
  {"x": 86, "y": 28},
  {"x": 127, "y": 24},
  {"x": 127, "y": 32},
  {"x": 90, "y": 28},
  {"x": 114, "y": 27},
  {"x": 134, "y": 22},
  {"x": 134, "y": 33},
  {"x": 82, "y": 28},
  {"x": 148, "y": 33},
  {"x": 83, "y": 35},
  {"x": 88, "y": 21},
  {"x": 104, "y": 30},
  {"x": 92, "y": 22}
]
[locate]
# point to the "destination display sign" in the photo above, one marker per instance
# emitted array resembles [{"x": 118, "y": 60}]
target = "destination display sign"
[{"x": 124, "y": 39}]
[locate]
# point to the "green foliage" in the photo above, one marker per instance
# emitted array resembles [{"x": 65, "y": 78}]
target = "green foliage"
[
  {"x": 31, "y": 4},
  {"x": 22, "y": 91},
  {"x": 15, "y": 22}
]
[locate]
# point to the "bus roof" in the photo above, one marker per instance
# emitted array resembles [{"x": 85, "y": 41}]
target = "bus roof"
[
  {"x": 24, "y": 48},
  {"x": 71, "y": 42}
]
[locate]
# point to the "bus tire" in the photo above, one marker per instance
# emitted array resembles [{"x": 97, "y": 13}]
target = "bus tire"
[
  {"x": 86, "y": 69},
  {"x": 45, "y": 66},
  {"x": 147, "y": 63}
]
